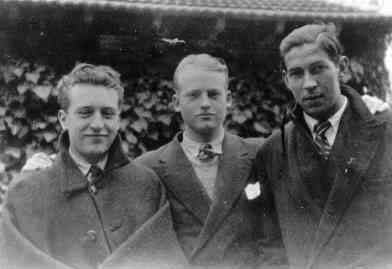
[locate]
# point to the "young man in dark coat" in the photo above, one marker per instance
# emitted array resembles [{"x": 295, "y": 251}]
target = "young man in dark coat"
[
  {"x": 330, "y": 168},
  {"x": 216, "y": 207},
  {"x": 92, "y": 200}
]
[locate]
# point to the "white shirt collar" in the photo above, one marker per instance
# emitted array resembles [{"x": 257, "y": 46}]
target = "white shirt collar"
[
  {"x": 84, "y": 166},
  {"x": 334, "y": 120},
  {"x": 192, "y": 147}
]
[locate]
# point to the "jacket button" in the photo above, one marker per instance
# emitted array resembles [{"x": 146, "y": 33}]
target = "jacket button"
[
  {"x": 116, "y": 225},
  {"x": 91, "y": 235}
]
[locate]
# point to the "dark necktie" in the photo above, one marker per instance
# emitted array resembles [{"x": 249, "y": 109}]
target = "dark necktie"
[
  {"x": 206, "y": 153},
  {"x": 320, "y": 140},
  {"x": 93, "y": 176}
]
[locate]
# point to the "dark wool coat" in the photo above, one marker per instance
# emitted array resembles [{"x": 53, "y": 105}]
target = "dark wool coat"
[
  {"x": 354, "y": 226},
  {"x": 52, "y": 211},
  {"x": 225, "y": 233}
]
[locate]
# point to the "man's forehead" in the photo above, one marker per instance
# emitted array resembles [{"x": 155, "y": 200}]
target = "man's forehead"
[
  {"x": 305, "y": 54},
  {"x": 81, "y": 94}
]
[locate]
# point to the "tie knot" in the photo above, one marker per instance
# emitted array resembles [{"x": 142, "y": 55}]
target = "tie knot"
[
  {"x": 94, "y": 174},
  {"x": 206, "y": 153},
  {"x": 321, "y": 127}
]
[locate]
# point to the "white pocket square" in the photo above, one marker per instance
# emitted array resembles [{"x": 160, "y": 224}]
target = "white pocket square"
[{"x": 252, "y": 191}]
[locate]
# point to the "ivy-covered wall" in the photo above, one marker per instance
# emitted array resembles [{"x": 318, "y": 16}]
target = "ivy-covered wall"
[{"x": 38, "y": 45}]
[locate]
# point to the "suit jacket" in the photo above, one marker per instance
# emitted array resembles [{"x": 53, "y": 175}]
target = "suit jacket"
[
  {"x": 227, "y": 232},
  {"x": 52, "y": 213},
  {"x": 354, "y": 228}
]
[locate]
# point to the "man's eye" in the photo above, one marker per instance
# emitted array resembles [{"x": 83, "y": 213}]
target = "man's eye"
[
  {"x": 84, "y": 113},
  {"x": 193, "y": 94},
  {"x": 108, "y": 115},
  {"x": 213, "y": 94},
  {"x": 317, "y": 69},
  {"x": 295, "y": 74}
]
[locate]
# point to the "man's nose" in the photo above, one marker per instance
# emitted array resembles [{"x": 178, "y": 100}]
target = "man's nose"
[
  {"x": 205, "y": 100},
  {"x": 97, "y": 122},
  {"x": 310, "y": 82}
]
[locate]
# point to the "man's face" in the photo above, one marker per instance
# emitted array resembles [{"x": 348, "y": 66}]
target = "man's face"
[
  {"x": 313, "y": 78},
  {"x": 202, "y": 99},
  {"x": 92, "y": 120}
]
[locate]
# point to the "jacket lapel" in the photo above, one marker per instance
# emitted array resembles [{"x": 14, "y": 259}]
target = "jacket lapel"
[
  {"x": 181, "y": 180},
  {"x": 233, "y": 172},
  {"x": 360, "y": 137},
  {"x": 298, "y": 147}
]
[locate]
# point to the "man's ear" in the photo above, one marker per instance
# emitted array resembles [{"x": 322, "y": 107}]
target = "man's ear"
[
  {"x": 62, "y": 116},
  {"x": 229, "y": 98},
  {"x": 284, "y": 78},
  {"x": 343, "y": 64},
  {"x": 176, "y": 102}
]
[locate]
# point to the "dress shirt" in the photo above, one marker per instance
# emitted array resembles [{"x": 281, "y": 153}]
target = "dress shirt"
[
  {"x": 84, "y": 166},
  {"x": 331, "y": 133},
  {"x": 205, "y": 171}
]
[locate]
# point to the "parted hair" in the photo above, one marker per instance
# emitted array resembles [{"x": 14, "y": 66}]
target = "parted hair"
[
  {"x": 325, "y": 35},
  {"x": 84, "y": 73},
  {"x": 204, "y": 62}
]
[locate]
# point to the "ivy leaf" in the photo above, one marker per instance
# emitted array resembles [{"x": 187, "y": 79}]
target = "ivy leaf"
[
  {"x": 142, "y": 113},
  {"x": 165, "y": 118},
  {"x": 14, "y": 152},
  {"x": 42, "y": 92},
  {"x": 2, "y": 125},
  {"x": 32, "y": 77},
  {"x": 2, "y": 167},
  {"x": 15, "y": 127},
  {"x": 19, "y": 112},
  {"x": 49, "y": 136},
  {"x": 52, "y": 119},
  {"x": 22, "y": 88},
  {"x": 139, "y": 125},
  {"x": 18, "y": 72},
  {"x": 131, "y": 138},
  {"x": 2, "y": 111},
  {"x": 7, "y": 73},
  {"x": 124, "y": 123},
  {"x": 153, "y": 135},
  {"x": 23, "y": 132},
  {"x": 248, "y": 113},
  {"x": 239, "y": 118},
  {"x": 261, "y": 129}
]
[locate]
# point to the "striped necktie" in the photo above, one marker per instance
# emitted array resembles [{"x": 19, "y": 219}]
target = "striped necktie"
[
  {"x": 94, "y": 175},
  {"x": 206, "y": 153},
  {"x": 320, "y": 140}
]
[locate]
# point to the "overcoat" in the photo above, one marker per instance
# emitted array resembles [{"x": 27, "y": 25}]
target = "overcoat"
[
  {"x": 354, "y": 227},
  {"x": 52, "y": 220},
  {"x": 228, "y": 231}
]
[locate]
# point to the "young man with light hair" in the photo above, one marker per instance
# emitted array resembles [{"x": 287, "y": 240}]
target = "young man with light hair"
[{"x": 92, "y": 207}]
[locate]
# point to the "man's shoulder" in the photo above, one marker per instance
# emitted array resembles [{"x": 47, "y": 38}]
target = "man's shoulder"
[
  {"x": 139, "y": 170},
  {"x": 150, "y": 158},
  {"x": 29, "y": 186}
]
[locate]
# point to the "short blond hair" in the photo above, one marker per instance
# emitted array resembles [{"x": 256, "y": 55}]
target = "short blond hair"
[{"x": 204, "y": 62}]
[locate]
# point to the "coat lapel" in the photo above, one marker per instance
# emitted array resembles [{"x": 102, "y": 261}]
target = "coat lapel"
[
  {"x": 181, "y": 180},
  {"x": 297, "y": 150},
  {"x": 233, "y": 172},
  {"x": 360, "y": 137}
]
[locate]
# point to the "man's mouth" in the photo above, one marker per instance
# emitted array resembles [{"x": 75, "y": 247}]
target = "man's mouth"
[{"x": 312, "y": 97}]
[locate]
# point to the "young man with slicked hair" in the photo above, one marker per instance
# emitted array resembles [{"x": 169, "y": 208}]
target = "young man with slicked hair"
[{"x": 330, "y": 167}]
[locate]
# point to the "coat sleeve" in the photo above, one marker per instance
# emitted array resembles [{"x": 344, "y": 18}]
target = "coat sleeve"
[
  {"x": 17, "y": 252},
  {"x": 154, "y": 245}
]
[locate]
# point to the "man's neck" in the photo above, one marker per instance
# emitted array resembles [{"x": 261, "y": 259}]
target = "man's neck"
[
  {"x": 206, "y": 137},
  {"x": 90, "y": 160}
]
